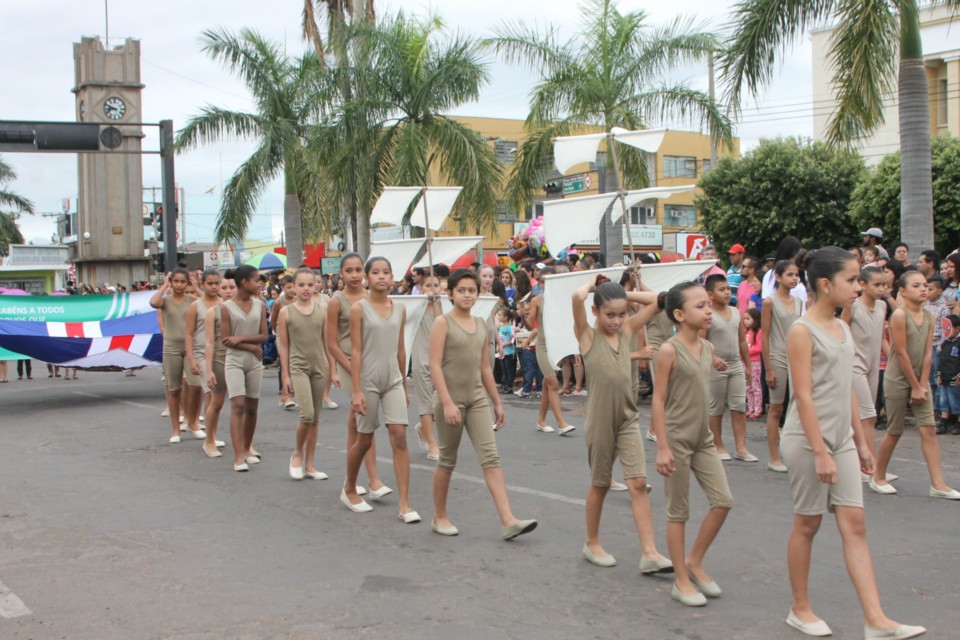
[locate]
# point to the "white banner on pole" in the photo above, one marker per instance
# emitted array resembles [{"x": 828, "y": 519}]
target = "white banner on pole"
[
  {"x": 569, "y": 151},
  {"x": 440, "y": 201},
  {"x": 567, "y": 222},
  {"x": 648, "y": 140},
  {"x": 447, "y": 250},
  {"x": 392, "y": 205},
  {"x": 400, "y": 253}
]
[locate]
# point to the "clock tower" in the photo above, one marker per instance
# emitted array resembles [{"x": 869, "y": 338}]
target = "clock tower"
[{"x": 109, "y": 232}]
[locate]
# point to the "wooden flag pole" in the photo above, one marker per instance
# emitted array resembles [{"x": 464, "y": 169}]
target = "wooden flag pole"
[{"x": 622, "y": 193}]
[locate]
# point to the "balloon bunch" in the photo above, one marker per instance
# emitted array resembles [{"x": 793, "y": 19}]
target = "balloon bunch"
[{"x": 529, "y": 243}]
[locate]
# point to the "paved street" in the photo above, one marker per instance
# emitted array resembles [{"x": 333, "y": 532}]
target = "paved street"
[{"x": 107, "y": 531}]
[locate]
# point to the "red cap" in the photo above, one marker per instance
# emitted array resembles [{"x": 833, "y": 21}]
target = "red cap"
[{"x": 737, "y": 248}]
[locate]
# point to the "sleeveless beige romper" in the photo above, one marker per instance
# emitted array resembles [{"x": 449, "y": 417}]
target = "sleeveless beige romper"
[
  {"x": 420, "y": 364},
  {"x": 543, "y": 360},
  {"x": 199, "y": 344},
  {"x": 381, "y": 381},
  {"x": 307, "y": 355},
  {"x": 781, "y": 319},
  {"x": 219, "y": 355},
  {"x": 866, "y": 329},
  {"x": 242, "y": 369},
  {"x": 832, "y": 379},
  {"x": 612, "y": 426},
  {"x": 689, "y": 436},
  {"x": 345, "y": 341},
  {"x": 896, "y": 389},
  {"x": 728, "y": 389},
  {"x": 174, "y": 340},
  {"x": 462, "y": 352},
  {"x": 659, "y": 330}
]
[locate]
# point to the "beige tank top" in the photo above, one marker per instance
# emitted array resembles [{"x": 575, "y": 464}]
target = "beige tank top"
[
  {"x": 305, "y": 334},
  {"x": 916, "y": 344},
  {"x": 688, "y": 398},
  {"x": 659, "y": 329},
  {"x": 541, "y": 335},
  {"x": 175, "y": 323},
  {"x": 832, "y": 378},
  {"x": 781, "y": 319},
  {"x": 724, "y": 334},
  {"x": 343, "y": 323},
  {"x": 379, "y": 369},
  {"x": 200, "y": 333},
  {"x": 612, "y": 401},
  {"x": 866, "y": 329},
  {"x": 243, "y": 324},
  {"x": 420, "y": 358},
  {"x": 219, "y": 349},
  {"x": 461, "y": 362}
]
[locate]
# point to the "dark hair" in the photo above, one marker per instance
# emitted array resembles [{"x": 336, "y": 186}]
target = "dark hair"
[
  {"x": 901, "y": 244},
  {"x": 857, "y": 252},
  {"x": 754, "y": 313},
  {"x": 904, "y": 276},
  {"x": 937, "y": 280},
  {"x": 350, "y": 256},
  {"x": 782, "y": 265},
  {"x": 954, "y": 259},
  {"x": 523, "y": 284},
  {"x": 209, "y": 273},
  {"x": 752, "y": 261},
  {"x": 243, "y": 272},
  {"x": 868, "y": 273},
  {"x": 500, "y": 291},
  {"x": 441, "y": 270},
  {"x": 285, "y": 280},
  {"x": 459, "y": 275},
  {"x": 419, "y": 271},
  {"x": 180, "y": 271},
  {"x": 477, "y": 265},
  {"x": 931, "y": 256},
  {"x": 607, "y": 291},
  {"x": 373, "y": 260},
  {"x": 825, "y": 263},
  {"x": 229, "y": 274},
  {"x": 788, "y": 248},
  {"x": 712, "y": 281},
  {"x": 676, "y": 297},
  {"x": 299, "y": 271},
  {"x": 548, "y": 271},
  {"x": 954, "y": 320}
]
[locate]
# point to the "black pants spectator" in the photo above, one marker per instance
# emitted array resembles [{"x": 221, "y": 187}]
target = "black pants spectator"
[{"x": 25, "y": 364}]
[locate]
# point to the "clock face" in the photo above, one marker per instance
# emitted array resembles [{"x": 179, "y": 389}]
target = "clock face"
[{"x": 114, "y": 108}]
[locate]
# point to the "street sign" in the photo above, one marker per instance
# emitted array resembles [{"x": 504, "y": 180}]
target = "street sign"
[
  {"x": 576, "y": 183},
  {"x": 329, "y": 265}
]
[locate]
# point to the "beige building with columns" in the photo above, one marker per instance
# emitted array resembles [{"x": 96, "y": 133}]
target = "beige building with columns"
[{"x": 941, "y": 45}]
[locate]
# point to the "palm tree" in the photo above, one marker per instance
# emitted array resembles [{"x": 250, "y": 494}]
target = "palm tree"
[
  {"x": 867, "y": 39},
  {"x": 9, "y": 230},
  {"x": 611, "y": 74},
  {"x": 289, "y": 97},
  {"x": 404, "y": 75}
]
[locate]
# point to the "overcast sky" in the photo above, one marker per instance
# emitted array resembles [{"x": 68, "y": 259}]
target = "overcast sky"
[{"x": 36, "y": 46}]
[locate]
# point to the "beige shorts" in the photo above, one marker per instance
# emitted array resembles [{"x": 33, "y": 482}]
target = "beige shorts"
[
  {"x": 394, "y": 403},
  {"x": 195, "y": 379},
  {"x": 810, "y": 496},
  {"x": 865, "y": 389},
  {"x": 897, "y": 413},
  {"x": 708, "y": 469},
  {"x": 543, "y": 361},
  {"x": 606, "y": 442},
  {"x": 221, "y": 377},
  {"x": 423, "y": 390},
  {"x": 779, "y": 394},
  {"x": 728, "y": 390},
  {"x": 477, "y": 423},
  {"x": 346, "y": 382},
  {"x": 173, "y": 368},
  {"x": 244, "y": 377},
  {"x": 308, "y": 390}
]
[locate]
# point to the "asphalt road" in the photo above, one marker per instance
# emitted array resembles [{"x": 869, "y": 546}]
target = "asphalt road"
[{"x": 107, "y": 531}]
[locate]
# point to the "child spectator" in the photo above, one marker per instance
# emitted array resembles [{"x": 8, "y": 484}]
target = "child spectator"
[
  {"x": 751, "y": 322},
  {"x": 938, "y": 307},
  {"x": 508, "y": 340},
  {"x": 948, "y": 379}
]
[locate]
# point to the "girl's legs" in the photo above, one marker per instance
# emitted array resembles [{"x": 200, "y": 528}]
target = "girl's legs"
[
  {"x": 773, "y": 433},
  {"x": 250, "y": 407},
  {"x": 799, "y": 548},
  {"x": 566, "y": 366},
  {"x": 550, "y": 396},
  {"x": 738, "y": 421},
  {"x": 426, "y": 432},
  {"x": 578, "y": 372},
  {"x": 642, "y": 518},
  {"x": 497, "y": 486},
  {"x": 326, "y": 390},
  {"x": 595, "y": 498},
  {"x": 356, "y": 453},
  {"x": 310, "y": 448},
  {"x": 370, "y": 459},
  {"x": 716, "y": 428},
  {"x": 213, "y": 418},
  {"x": 931, "y": 453},
  {"x": 676, "y": 546},
  {"x": 441, "y": 487},
  {"x": 173, "y": 405},
  {"x": 193, "y": 399},
  {"x": 709, "y": 529},
  {"x": 3, "y": 370},
  {"x": 401, "y": 463},
  {"x": 237, "y": 413},
  {"x": 869, "y": 426},
  {"x": 297, "y": 460}
]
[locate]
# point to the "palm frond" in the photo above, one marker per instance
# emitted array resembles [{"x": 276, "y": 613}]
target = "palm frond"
[
  {"x": 214, "y": 124},
  {"x": 681, "y": 42},
  {"x": 9, "y": 232},
  {"x": 517, "y": 44},
  {"x": 9, "y": 198},
  {"x": 258, "y": 62},
  {"x": 681, "y": 103},
  {"x": 311, "y": 29},
  {"x": 243, "y": 191},
  {"x": 534, "y": 162}
]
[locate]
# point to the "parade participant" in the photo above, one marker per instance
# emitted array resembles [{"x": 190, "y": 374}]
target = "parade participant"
[
  {"x": 780, "y": 310},
  {"x": 731, "y": 369},
  {"x": 420, "y": 367},
  {"x": 340, "y": 345},
  {"x": 907, "y": 381},
  {"x": 214, "y": 359},
  {"x": 550, "y": 394},
  {"x": 659, "y": 329},
  {"x": 173, "y": 309},
  {"x": 302, "y": 354},
  {"x": 685, "y": 443},
  {"x": 378, "y": 365},
  {"x": 825, "y": 448},
  {"x": 288, "y": 297},
  {"x": 243, "y": 327},
  {"x": 195, "y": 343},
  {"x": 612, "y": 426},
  {"x": 866, "y": 317},
  {"x": 465, "y": 388},
  {"x": 321, "y": 298}
]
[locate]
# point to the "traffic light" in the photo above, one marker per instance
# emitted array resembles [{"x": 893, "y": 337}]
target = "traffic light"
[
  {"x": 554, "y": 186},
  {"x": 160, "y": 263},
  {"x": 158, "y": 219}
]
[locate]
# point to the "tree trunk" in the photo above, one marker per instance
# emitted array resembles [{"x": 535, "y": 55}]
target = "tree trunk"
[
  {"x": 292, "y": 223},
  {"x": 916, "y": 172},
  {"x": 363, "y": 229}
]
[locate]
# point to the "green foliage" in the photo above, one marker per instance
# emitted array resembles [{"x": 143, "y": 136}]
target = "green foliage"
[
  {"x": 9, "y": 230},
  {"x": 783, "y": 187},
  {"x": 876, "y": 201}
]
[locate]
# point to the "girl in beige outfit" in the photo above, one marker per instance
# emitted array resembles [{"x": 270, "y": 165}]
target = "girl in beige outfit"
[
  {"x": 779, "y": 312},
  {"x": 680, "y": 416},
  {"x": 214, "y": 360},
  {"x": 420, "y": 373},
  {"x": 824, "y": 446}
]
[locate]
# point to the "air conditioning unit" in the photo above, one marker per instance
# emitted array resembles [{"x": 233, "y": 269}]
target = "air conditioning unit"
[
  {"x": 675, "y": 213},
  {"x": 651, "y": 213}
]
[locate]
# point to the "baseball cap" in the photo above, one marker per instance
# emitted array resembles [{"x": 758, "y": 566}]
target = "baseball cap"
[
  {"x": 737, "y": 248},
  {"x": 540, "y": 266},
  {"x": 873, "y": 231}
]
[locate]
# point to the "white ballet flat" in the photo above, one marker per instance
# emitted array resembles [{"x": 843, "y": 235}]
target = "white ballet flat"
[
  {"x": 165, "y": 413},
  {"x": 652, "y": 437},
  {"x": 202, "y": 419},
  {"x": 444, "y": 531},
  {"x": 252, "y": 459},
  {"x": 410, "y": 517},
  {"x": 219, "y": 444},
  {"x": 215, "y": 454},
  {"x": 884, "y": 489},
  {"x": 295, "y": 472},
  {"x": 617, "y": 486},
  {"x": 199, "y": 434},
  {"x": 315, "y": 475},
  {"x": 565, "y": 430},
  {"x": 363, "y": 507},
  {"x": 423, "y": 443},
  {"x": 241, "y": 467},
  {"x": 601, "y": 561},
  {"x": 174, "y": 439},
  {"x": 817, "y": 629},
  {"x": 952, "y": 494},
  {"x": 376, "y": 494},
  {"x": 902, "y": 632},
  {"x": 330, "y": 404},
  {"x": 725, "y": 456},
  {"x": 545, "y": 428},
  {"x": 361, "y": 491}
]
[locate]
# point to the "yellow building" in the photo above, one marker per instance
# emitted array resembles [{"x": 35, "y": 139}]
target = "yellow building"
[
  {"x": 941, "y": 47},
  {"x": 681, "y": 160}
]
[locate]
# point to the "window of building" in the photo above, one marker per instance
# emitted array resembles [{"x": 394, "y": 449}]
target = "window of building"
[
  {"x": 505, "y": 150},
  {"x": 679, "y": 167},
  {"x": 707, "y": 165},
  {"x": 532, "y": 211},
  {"x": 679, "y": 215},
  {"x": 642, "y": 215},
  {"x": 942, "y": 102},
  {"x": 504, "y": 213}
]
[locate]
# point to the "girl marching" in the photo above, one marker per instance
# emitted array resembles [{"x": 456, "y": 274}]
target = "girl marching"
[
  {"x": 824, "y": 446},
  {"x": 420, "y": 366},
  {"x": 215, "y": 355},
  {"x": 196, "y": 342},
  {"x": 460, "y": 364}
]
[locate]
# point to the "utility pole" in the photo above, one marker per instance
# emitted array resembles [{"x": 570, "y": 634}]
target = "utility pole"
[
  {"x": 169, "y": 194},
  {"x": 711, "y": 92}
]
